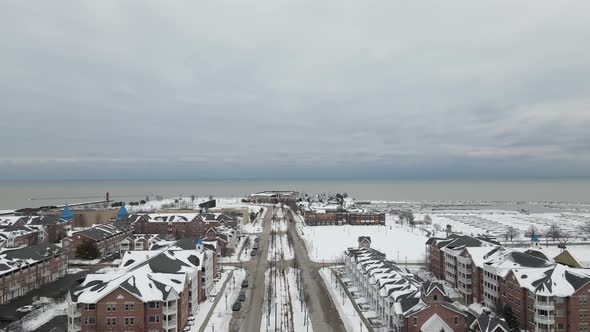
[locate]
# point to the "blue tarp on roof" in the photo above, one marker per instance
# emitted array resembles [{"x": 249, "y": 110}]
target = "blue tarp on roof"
[
  {"x": 122, "y": 213},
  {"x": 67, "y": 214}
]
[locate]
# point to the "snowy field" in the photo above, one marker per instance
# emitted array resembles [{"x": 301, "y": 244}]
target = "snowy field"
[
  {"x": 328, "y": 243},
  {"x": 350, "y": 318},
  {"x": 279, "y": 226},
  {"x": 280, "y": 247},
  {"x": 288, "y": 301},
  {"x": 495, "y": 222}
]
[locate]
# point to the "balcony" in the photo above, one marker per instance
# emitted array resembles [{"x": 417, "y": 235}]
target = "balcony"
[
  {"x": 544, "y": 305},
  {"x": 76, "y": 327},
  {"x": 171, "y": 310},
  {"x": 547, "y": 320}
]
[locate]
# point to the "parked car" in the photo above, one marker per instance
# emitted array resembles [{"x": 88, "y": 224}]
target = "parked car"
[
  {"x": 245, "y": 283},
  {"x": 255, "y": 246},
  {"x": 242, "y": 297},
  {"x": 237, "y": 306},
  {"x": 27, "y": 308},
  {"x": 253, "y": 252},
  {"x": 257, "y": 239}
]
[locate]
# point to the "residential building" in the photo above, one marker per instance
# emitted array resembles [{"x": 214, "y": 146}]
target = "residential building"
[
  {"x": 107, "y": 238},
  {"x": 179, "y": 225},
  {"x": 28, "y": 268},
  {"x": 152, "y": 291}
]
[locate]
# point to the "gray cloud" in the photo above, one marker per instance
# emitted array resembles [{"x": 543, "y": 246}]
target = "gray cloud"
[{"x": 294, "y": 88}]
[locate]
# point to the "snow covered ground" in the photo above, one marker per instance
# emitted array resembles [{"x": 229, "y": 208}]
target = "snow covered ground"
[
  {"x": 204, "y": 308},
  {"x": 281, "y": 247},
  {"x": 328, "y": 243},
  {"x": 279, "y": 226},
  {"x": 234, "y": 258},
  {"x": 246, "y": 252},
  {"x": 348, "y": 314},
  {"x": 495, "y": 222},
  {"x": 284, "y": 301},
  {"x": 222, "y": 314},
  {"x": 46, "y": 310}
]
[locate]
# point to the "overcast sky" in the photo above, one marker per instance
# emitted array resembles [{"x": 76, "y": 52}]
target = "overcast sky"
[{"x": 305, "y": 88}]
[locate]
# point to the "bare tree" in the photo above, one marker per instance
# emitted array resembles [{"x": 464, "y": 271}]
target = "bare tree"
[
  {"x": 427, "y": 220},
  {"x": 553, "y": 232},
  {"x": 585, "y": 229},
  {"x": 531, "y": 230},
  {"x": 565, "y": 238},
  {"x": 437, "y": 227},
  {"x": 511, "y": 233}
]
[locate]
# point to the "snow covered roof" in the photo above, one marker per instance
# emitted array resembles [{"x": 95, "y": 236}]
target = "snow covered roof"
[
  {"x": 490, "y": 324},
  {"x": 148, "y": 275},
  {"x": 559, "y": 280},
  {"x": 6, "y": 221},
  {"x": 435, "y": 324},
  {"x": 14, "y": 259},
  {"x": 100, "y": 232},
  {"x": 503, "y": 260}
]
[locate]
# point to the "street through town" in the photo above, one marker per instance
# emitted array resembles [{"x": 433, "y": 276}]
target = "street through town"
[{"x": 322, "y": 312}]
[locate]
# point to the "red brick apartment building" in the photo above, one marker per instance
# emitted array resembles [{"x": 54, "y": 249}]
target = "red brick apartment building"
[
  {"x": 107, "y": 238},
  {"x": 544, "y": 296},
  {"x": 55, "y": 228},
  {"x": 154, "y": 293},
  {"x": 21, "y": 236},
  {"x": 314, "y": 218},
  {"x": 179, "y": 225},
  {"x": 28, "y": 268}
]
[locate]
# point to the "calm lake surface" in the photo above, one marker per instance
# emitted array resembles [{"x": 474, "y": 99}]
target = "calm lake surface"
[{"x": 15, "y": 195}]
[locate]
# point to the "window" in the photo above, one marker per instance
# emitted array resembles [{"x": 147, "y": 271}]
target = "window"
[
  {"x": 89, "y": 320},
  {"x": 129, "y": 320},
  {"x": 583, "y": 299},
  {"x": 456, "y": 320},
  {"x": 154, "y": 319},
  {"x": 558, "y": 312},
  {"x": 129, "y": 306},
  {"x": 583, "y": 313},
  {"x": 415, "y": 321},
  {"x": 560, "y": 326},
  {"x": 111, "y": 306},
  {"x": 153, "y": 305},
  {"x": 559, "y": 300},
  {"x": 89, "y": 306},
  {"x": 435, "y": 297},
  {"x": 111, "y": 321}
]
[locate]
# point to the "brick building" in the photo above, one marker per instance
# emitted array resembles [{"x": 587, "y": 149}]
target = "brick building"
[
  {"x": 343, "y": 217},
  {"x": 179, "y": 225},
  {"x": 55, "y": 228},
  {"x": 107, "y": 238},
  {"x": 22, "y": 236},
  {"x": 543, "y": 295},
  {"x": 28, "y": 268},
  {"x": 156, "y": 291}
]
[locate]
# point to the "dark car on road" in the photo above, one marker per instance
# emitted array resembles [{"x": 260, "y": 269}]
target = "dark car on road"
[
  {"x": 256, "y": 239},
  {"x": 237, "y": 306},
  {"x": 245, "y": 283},
  {"x": 253, "y": 252},
  {"x": 242, "y": 297}
]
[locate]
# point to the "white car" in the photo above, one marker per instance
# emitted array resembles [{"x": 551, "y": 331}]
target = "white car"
[{"x": 27, "y": 308}]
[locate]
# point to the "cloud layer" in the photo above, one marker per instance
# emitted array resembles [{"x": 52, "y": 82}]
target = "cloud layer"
[{"x": 104, "y": 89}]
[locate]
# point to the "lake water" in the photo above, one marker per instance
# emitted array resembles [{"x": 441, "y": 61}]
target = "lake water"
[{"x": 32, "y": 194}]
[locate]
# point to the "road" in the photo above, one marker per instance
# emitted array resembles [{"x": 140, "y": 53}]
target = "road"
[
  {"x": 322, "y": 312},
  {"x": 249, "y": 317}
]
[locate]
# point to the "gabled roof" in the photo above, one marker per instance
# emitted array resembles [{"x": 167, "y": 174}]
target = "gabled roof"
[
  {"x": 490, "y": 324},
  {"x": 435, "y": 324}
]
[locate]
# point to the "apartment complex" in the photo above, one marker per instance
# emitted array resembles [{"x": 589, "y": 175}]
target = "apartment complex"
[
  {"x": 28, "y": 268},
  {"x": 54, "y": 227},
  {"x": 179, "y": 225},
  {"x": 107, "y": 238},
  {"x": 152, "y": 291},
  {"x": 544, "y": 296},
  {"x": 401, "y": 302},
  {"x": 343, "y": 217}
]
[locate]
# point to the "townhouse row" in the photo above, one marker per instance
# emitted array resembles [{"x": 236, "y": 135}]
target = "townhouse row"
[
  {"x": 25, "y": 269},
  {"x": 317, "y": 218},
  {"x": 401, "y": 302},
  {"x": 543, "y": 295}
]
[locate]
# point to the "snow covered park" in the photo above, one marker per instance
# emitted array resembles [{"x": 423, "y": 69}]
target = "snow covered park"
[
  {"x": 280, "y": 248},
  {"x": 328, "y": 243}
]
